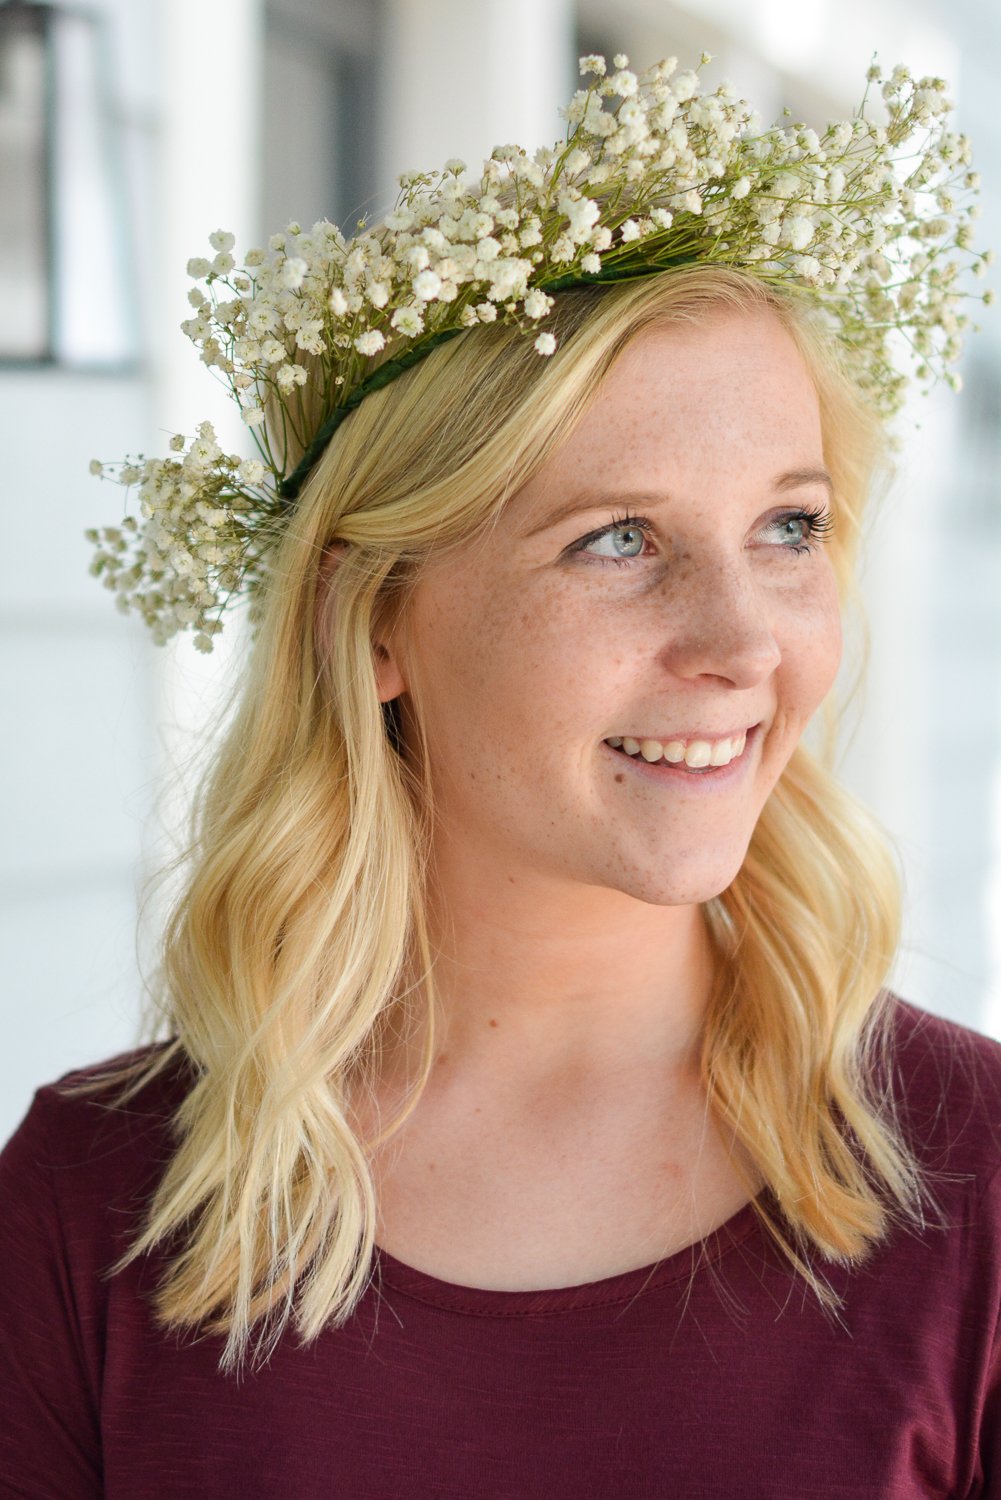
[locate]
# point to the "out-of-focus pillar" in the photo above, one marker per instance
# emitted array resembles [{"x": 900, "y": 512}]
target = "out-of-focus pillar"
[
  {"x": 208, "y": 178},
  {"x": 462, "y": 76}
]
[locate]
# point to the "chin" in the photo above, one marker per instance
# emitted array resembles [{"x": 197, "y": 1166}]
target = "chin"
[{"x": 689, "y": 889}]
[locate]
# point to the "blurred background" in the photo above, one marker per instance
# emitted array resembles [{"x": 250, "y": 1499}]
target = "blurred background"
[{"x": 131, "y": 129}]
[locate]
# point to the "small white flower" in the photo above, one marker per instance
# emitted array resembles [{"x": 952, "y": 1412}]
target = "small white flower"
[
  {"x": 545, "y": 343},
  {"x": 427, "y": 285},
  {"x": 176, "y": 443},
  {"x": 591, "y": 264},
  {"x": 370, "y": 342},
  {"x": 96, "y": 466},
  {"x": 798, "y": 232},
  {"x": 592, "y": 63},
  {"x": 408, "y": 321},
  {"x": 537, "y": 303},
  {"x": 630, "y": 230},
  {"x": 378, "y": 293},
  {"x": 251, "y": 471},
  {"x": 223, "y": 262},
  {"x": 623, "y": 83},
  {"x": 338, "y": 302},
  {"x": 199, "y": 267},
  {"x": 221, "y": 239},
  {"x": 293, "y": 273},
  {"x": 741, "y": 188},
  {"x": 253, "y": 416}
]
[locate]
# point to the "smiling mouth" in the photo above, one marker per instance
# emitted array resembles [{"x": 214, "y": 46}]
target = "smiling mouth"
[{"x": 694, "y": 756}]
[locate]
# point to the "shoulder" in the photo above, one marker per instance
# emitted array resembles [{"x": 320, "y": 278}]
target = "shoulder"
[
  {"x": 946, "y": 1083},
  {"x": 87, "y": 1143}
]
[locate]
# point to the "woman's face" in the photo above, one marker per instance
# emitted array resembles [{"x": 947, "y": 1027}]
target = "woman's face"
[{"x": 708, "y": 615}]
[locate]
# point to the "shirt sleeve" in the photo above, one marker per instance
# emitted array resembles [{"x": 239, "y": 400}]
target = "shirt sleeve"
[{"x": 50, "y": 1443}]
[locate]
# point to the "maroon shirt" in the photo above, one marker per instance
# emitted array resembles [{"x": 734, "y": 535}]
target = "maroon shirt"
[{"x": 636, "y": 1386}]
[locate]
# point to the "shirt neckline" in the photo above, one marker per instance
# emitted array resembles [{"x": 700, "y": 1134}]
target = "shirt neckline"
[{"x": 488, "y": 1302}]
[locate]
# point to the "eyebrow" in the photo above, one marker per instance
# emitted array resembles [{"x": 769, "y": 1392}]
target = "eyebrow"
[{"x": 792, "y": 479}]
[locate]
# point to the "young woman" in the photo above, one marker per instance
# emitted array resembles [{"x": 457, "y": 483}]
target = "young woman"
[{"x": 533, "y": 1118}]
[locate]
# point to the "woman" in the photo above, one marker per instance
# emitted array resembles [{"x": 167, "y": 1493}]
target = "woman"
[{"x": 533, "y": 1111}]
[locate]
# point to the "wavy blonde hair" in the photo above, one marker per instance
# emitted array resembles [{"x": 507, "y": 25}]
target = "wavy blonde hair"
[{"x": 300, "y": 943}]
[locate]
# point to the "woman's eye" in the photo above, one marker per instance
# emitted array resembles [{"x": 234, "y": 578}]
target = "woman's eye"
[
  {"x": 801, "y": 530},
  {"x": 624, "y": 540}
]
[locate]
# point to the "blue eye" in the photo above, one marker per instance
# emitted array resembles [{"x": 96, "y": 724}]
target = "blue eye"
[
  {"x": 635, "y": 528},
  {"x": 801, "y": 530}
]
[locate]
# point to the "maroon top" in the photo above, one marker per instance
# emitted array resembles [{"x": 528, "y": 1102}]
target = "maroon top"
[{"x": 633, "y": 1386}]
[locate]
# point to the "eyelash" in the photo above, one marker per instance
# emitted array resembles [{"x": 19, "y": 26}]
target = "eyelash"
[{"x": 820, "y": 521}]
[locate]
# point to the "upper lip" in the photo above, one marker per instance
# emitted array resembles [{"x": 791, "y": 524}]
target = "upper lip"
[{"x": 693, "y": 734}]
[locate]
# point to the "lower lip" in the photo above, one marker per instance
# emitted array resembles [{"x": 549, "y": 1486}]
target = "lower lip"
[{"x": 712, "y": 779}]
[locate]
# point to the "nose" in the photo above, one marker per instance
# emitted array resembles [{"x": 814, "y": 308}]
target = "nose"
[{"x": 721, "y": 624}]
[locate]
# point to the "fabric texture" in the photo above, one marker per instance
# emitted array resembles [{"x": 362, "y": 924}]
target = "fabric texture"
[{"x": 712, "y": 1373}]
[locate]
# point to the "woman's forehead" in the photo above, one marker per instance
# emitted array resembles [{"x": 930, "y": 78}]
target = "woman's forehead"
[{"x": 731, "y": 390}]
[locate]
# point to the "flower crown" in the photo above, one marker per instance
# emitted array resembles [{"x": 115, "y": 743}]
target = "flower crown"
[{"x": 652, "y": 174}]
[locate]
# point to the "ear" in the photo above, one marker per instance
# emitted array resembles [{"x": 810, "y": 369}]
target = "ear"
[{"x": 389, "y": 678}]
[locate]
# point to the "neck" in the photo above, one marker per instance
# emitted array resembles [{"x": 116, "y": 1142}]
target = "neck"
[{"x": 585, "y": 986}]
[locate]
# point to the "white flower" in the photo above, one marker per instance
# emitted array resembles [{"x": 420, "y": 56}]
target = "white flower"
[
  {"x": 253, "y": 416},
  {"x": 338, "y": 303},
  {"x": 623, "y": 83},
  {"x": 798, "y": 232},
  {"x": 685, "y": 85},
  {"x": 199, "y": 267},
  {"x": 537, "y": 304},
  {"x": 591, "y": 264},
  {"x": 223, "y": 262},
  {"x": 427, "y": 285},
  {"x": 251, "y": 471},
  {"x": 545, "y": 343},
  {"x": 592, "y": 63},
  {"x": 741, "y": 188},
  {"x": 96, "y": 466},
  {"x": 408, "y": 321},
  {"x": 370, "y": 342},
  {"x": 294, "y": 272},
  {"x": 221, "y": 239},
  {"x": 630, "y": 230},
  {"x": 378, "y": 293}
]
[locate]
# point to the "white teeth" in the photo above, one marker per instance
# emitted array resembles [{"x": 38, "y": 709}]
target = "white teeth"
[{"x": 696, "y": 754}]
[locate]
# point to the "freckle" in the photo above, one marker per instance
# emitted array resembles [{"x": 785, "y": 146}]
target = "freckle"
[
  {"x": 620, "y": 776},
  {"x": 493, "y": 1023},
  {"x": 430, "y": 1166},
  {"x": 440, "y": 1060}
]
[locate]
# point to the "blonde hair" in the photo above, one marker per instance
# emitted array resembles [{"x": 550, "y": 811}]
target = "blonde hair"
[{"x": 300, "y": 943}]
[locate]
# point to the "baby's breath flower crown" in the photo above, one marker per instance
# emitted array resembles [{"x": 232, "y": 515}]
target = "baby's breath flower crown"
[{"x": 873, "y": 220}]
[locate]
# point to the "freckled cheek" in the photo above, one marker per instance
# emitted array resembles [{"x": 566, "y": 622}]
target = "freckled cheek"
[{"x": 812, "y": 649}]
